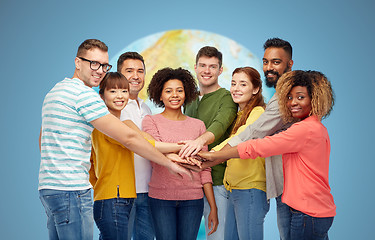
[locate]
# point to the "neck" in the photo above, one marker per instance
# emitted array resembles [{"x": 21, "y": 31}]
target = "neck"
[
  {"x": 173, "y": 114},
  {"x": 134, "y": 97},
  {"x": 208, "y": 89},
  {"x": 115, "y": 113}
]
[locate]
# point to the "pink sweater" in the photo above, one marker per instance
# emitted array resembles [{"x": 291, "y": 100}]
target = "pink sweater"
[
  {"x": 306, "y": 148},
  {"x": 163, "y": 184}
]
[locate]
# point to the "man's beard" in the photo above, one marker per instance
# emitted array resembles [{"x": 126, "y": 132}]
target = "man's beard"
[
  {"x": 269, "y": 82},
  {"x": 272, "y": 83}
]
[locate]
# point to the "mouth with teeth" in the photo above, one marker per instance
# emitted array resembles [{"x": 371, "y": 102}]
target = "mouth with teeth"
[{"x": 119, "y": 103}]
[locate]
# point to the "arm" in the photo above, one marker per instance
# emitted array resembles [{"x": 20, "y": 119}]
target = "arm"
[
  {"x": 230, "y": 152},
  {"x": 219, "y": 125},
  {"x": 267, "y": 124},
  {"x": 163, "y": 147},
  {"x": 213, "y": 221},
  {"x": 40, "y": 140},
  {"x": 194, "y": 146},
  {"x": 114, "y": 128}
]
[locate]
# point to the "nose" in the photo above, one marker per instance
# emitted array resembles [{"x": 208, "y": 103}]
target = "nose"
[
  {"x": 135, "y": 75},
  {"x": 269, "y": 67},
  {"x": 100, "y": 70},
  {"x": 294, "y": 101}
]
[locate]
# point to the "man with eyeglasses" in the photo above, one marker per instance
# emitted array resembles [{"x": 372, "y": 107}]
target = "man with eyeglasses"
[{"x": 70, "y": 112}]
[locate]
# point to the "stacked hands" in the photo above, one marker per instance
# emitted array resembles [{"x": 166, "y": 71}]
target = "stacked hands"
[{"x": 191, "y": 156}]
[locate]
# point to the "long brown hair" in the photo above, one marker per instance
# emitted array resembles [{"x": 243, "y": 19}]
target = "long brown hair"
[{"x": 256, "y": 100}]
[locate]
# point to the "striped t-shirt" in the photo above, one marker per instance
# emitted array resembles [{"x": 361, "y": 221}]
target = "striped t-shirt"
[{"x": 67, "y": 111}]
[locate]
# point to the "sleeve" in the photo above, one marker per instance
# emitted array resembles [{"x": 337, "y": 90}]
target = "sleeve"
[
  {"x": 224, "y": 117},
  {"x": 90, "y": 106},
  {"x": 254, "y": 115},
  {"x": 291, "y": 140},
  {"x": 149, "y": 126},
  {"x": 267, "y": 124}
]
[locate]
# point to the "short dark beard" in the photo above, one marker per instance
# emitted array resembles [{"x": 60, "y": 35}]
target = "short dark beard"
[{"x": 270, "y": 83}]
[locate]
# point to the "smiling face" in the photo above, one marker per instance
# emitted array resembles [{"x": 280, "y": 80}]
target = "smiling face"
[
  {"x": 276, "y": 61},
  {"x": 134, "y": 71},
  {"x": 299, "y": 102},
  {"x": 242, "y": 89},
  {"x": 91, "y": 78},
  {"x": 173, "y": 94},
  {"x": 115, "y": 99},
  {"x": 208, "y": 70}
]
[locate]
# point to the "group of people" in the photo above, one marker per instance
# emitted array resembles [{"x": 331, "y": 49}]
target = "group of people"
[{"x": 212, "y": 152}]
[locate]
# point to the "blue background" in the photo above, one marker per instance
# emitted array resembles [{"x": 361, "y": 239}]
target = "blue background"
[{"x": 38, "y": 44}]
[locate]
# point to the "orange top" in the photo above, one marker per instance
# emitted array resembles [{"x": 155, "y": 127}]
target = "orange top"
[{"x": 305, "y": 147}]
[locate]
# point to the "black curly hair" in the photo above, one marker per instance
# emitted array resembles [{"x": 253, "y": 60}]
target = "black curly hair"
[{"x": 156, "y": 85}]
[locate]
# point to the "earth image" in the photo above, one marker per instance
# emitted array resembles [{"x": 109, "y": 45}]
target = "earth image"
[{"x": 178, "y": 48}]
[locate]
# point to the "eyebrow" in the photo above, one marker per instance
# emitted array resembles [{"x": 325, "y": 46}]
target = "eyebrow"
[{"x": 273, "y": 59}]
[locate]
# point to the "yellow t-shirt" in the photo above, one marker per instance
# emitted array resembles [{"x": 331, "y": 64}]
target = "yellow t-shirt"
[
  {"x": 244, "y": 173},
  {"x": 112, "y": 168}
]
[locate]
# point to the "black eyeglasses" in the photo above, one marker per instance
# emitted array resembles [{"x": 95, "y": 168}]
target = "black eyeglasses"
[{"x": 94, "y": 65}]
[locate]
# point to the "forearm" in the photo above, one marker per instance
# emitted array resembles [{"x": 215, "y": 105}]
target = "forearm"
[
  {"x": 164, "y": 147},
  {"x": 206, "y": 138},
  {"x": 114, "y": 128},
  {"x": 209, "y": 193}
]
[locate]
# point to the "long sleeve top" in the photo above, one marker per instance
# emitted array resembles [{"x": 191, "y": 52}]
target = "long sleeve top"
[
  {"x": 305, "y": 149},
  {"x": 217, "y": 110},
  {"x": 267, "y": 124},
  {"x": 163, "y": 184},
  {"x": 244, "y": 173}
]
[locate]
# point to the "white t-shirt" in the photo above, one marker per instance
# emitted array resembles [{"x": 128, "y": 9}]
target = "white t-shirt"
[{"x": 142, "y": 166}]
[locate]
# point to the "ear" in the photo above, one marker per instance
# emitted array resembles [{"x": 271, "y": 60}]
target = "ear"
[
  {"x": 77, "y": 63},
  {"x": 290, "y": 64},
  {"x": 195, "y": 67},
  {"x": 255, "y": 90},
  {"x": 221, "y": 70}
]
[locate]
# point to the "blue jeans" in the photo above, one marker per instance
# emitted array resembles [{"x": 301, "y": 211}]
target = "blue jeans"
[
  {"x": 140, "y": 221},
  {"x": 305, "y": 227},
  {"x": 221, "y": 198},
  {"x": 283, "y": 219},
  {"x": 176, "y": 219},
  {"x": 247, "y": 209},
  {"x": 112, "y": 217},
  {"x": 69, "y": 214}
]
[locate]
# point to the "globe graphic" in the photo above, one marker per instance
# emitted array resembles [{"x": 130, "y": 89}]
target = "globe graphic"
[{"x": 178, "y": 48}]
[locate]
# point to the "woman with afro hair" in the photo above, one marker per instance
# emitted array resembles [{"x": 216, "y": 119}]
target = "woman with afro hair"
[
  {"x": 305, "y": 148},
  {"x": 176, "y": 203}
]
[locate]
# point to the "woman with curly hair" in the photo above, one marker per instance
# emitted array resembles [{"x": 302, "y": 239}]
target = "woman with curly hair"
[
  {"x": 176, "y": 203},
  {"x": 305, "y": 149}
]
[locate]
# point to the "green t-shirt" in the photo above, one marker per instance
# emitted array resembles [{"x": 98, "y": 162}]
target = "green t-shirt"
[{"x": 217, "y": 110}]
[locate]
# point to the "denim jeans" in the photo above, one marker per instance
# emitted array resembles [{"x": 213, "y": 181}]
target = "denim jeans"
[
  {"x": 112, "y": 217},
  {"x": 176, "y": 219},
  {"x": 305, "y": 227},
  {"x": 140, "y": 221},
  {"x": 69, "y": 214},
  {"x": 221, "y": 198},
  {"x": 283, "y": 219},
  {"x": 247, "y": 209}
]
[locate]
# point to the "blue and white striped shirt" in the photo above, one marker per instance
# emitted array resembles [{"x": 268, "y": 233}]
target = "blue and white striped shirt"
[{"x": 67, "y": 111}]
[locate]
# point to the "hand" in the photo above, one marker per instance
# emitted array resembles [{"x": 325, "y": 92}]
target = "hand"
[
  {"x": 178, "y": 170},
  {"x": 206, "y": 155},
  {"x": 191, "y": 167},
  {"x": 191, "y": 147},
  {"x": 213, "y": 221},
  {"x": 175, "y": 158}
]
